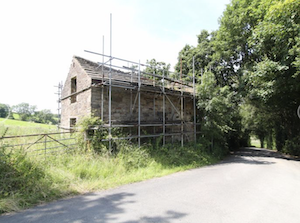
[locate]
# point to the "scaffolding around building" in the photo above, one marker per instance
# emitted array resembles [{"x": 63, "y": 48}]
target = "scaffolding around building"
[{"x": 136, "y": 78}]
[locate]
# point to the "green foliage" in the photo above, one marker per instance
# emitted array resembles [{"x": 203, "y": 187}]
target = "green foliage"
[
  {"x": 12, "y": 166},
  {"x": 191, "y": 155},
  {"x": 274, "y": 81},
  {"x": 27, "y": 112},
  {"x": 133, "y": 157},
  {"x": 28, "y": 181},
  {"x": 253, "y": 60},
  {"x": 91, "y": 133},
  {"x": 4, "y": 111},
  {"x": 24, "y": 110},
  {"x": 276, "y": 36},
  {"x": 44, "y": 116},
  {"x": 21, "y": 180},
  {"x": 220, "y": 113},
  {"x": 233, "y": 53},
  {"x": 202, "y": 56},
  {"x": 263, "y": 80},
  {"x": 157, "y": 67},
  {"x": 292, "y": 146}
]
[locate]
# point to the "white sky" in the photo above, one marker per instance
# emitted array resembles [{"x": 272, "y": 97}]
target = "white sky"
[{"x": 39, "y": 38}]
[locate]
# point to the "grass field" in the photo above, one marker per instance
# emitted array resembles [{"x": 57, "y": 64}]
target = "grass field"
[{"x": 17, "y": 127}]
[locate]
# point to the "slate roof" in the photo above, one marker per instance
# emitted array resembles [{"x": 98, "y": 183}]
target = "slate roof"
[{"x": 125, "y": 79}]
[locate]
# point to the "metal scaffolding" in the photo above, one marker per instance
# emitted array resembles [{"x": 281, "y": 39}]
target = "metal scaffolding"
[
  {"x": 59, "y": 91},
  {"x": 136, "y": 79}
]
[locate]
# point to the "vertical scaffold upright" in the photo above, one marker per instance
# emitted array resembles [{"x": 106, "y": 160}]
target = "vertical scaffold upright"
[
  {"x": 139, "y": 104},
  {"x": 110, "y": 89},
  {"x": 194, "y": 102},
  {"x": 59, "y": 92},
  {"x": 165, "y": 87},
  {"x": 164, "y": 109},
  {"x": 102, "y": 87}
]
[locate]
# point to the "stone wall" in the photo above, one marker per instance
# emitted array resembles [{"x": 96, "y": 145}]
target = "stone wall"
[
  {"x": 125, "y": 109},
  {"x": 82, "y": 106},
  {"x": 125, "y": 106}
]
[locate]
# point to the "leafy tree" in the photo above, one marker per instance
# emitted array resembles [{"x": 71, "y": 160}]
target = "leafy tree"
[
  {"x": 251, "y": 67},
  {"x": 157, "y": 68},
  {"x": 220, "y": 116},
  {"x": 202, "y": 55},
  {"x": 184, "y": 65},
  {"x": 24, "y": 110},
  {"x": 256, "y": 53},
  {"x": 274, "y": 80},
  {"x": 44, "y": 116},
  {"x": 4, "y": 111},
  {"x": 233, "y": 53}
]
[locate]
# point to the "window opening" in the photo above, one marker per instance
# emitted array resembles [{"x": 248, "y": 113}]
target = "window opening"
[
  {"x": 73, "y": 89},
  {"x": 72, "y": 123}
]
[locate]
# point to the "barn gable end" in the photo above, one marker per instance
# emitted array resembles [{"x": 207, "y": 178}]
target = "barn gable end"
[{"x": 76, "y": 95}]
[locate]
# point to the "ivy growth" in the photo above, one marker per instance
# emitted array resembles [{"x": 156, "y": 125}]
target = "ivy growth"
[{"x": 91, "y": 135}]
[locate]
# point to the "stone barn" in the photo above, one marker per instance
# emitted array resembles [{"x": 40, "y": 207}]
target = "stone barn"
[{"x": 149, "y": 105}]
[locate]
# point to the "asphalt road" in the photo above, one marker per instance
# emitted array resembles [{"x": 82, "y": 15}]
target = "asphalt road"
[{"x": 252, "y": 185}]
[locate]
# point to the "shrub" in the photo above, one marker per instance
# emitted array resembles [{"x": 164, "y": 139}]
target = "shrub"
[
  {"x": 91, "y": 133},
  {"x": 292, "y": 146},
  {"x": 21, "y": 179},
  {"x": 133, "y": 157}
]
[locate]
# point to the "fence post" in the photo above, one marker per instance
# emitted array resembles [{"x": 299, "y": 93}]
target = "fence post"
[{"x": 45, "y": 143}]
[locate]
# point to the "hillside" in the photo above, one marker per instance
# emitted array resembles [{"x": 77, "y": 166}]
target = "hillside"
[{"x": 16, "y": 127}]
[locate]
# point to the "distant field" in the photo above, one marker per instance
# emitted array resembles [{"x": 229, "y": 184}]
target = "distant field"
[
  {"x": 16, "y": 116},
  {"x": 16, "y": 127},
  {"x": 255, "y": 142}
]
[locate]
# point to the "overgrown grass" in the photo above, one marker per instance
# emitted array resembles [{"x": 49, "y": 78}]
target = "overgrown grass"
[
  {"x": 27, "y": 180},
  {"x": 32, "y": 180}
]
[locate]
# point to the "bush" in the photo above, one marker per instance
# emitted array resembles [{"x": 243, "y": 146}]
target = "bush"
[
  {"x": 91, "y": 134},
  {"x": 292, "y": 146},
  {"x": 174, "y": 155},
  {"x": 21, "y": 179},
  {"x": 133, "y": 157},
  {"x": 17, "y": 173}
]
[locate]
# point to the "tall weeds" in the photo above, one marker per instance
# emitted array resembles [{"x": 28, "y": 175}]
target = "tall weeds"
[{"x": 28, "y": 180}]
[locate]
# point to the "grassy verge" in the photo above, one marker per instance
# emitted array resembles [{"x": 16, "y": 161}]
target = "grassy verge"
[{"x": 28, "y": 181}]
